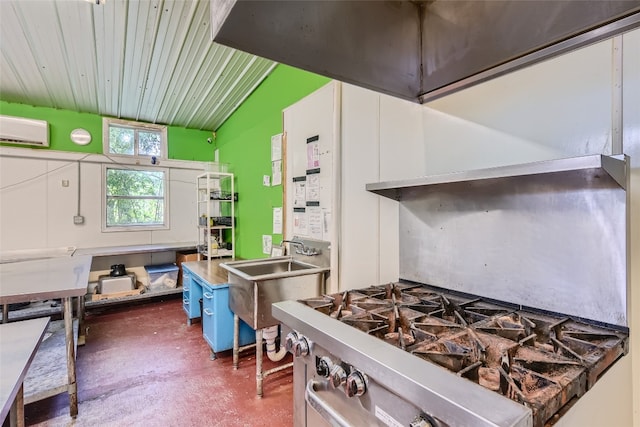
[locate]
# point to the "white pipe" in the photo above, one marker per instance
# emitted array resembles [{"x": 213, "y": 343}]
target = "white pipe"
[{"x": 269, "y": 335}]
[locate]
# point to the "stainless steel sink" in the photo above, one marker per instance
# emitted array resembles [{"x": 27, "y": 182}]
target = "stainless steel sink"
[{"x": 255, "y": 284}]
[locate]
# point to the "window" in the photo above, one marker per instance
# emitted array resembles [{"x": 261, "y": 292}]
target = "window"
[
  {"x": 125, "y": 138},
  {"x": 135, "y": 198}
]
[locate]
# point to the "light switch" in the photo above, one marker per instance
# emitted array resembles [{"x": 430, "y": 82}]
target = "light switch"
[
  {"x": 65, "y": 182},
  {"x": 266, "y": 180}
]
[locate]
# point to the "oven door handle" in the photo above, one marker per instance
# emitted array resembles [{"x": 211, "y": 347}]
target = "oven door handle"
[{"x": 322, "y": 407}]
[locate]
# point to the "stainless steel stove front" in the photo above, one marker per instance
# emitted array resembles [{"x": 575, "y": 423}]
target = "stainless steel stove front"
[
  {"x": 347, "y": 378},
  {"x": 317, "y": 402}
]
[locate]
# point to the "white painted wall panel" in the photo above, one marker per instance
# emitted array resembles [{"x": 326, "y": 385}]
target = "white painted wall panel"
[
  {"x": 182, "y": 199},
  {"x": 563, "y": 103},
  {"x": 402, "y": 148},
  {"x": 559, "y": 108},
  {"x": 61, "y": 204},
  {"x": 360, "y": 239},
  {"x": 454, "y": 144},
  {"x": 23, "y": 200},
  {"x": 404, "y": 154}
]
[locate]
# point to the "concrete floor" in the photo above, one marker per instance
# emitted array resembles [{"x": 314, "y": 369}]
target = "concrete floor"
[{"x": 143, "y": 365}]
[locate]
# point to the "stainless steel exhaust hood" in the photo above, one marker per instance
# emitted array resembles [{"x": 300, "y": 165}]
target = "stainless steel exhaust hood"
[{"x": 416, "y": 50}]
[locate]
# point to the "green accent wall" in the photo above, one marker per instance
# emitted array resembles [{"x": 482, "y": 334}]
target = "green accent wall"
[
  {"x": 184, "y": 144},
  {"x": 244, "y": 141}
]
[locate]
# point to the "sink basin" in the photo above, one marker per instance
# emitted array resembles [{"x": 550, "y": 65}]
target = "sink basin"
[
  {"x": 272, "y": 267},
  {"x": 255, "y": 284}
]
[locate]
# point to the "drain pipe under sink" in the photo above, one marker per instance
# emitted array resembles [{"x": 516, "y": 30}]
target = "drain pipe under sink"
[{"x": 270, "y": 334}]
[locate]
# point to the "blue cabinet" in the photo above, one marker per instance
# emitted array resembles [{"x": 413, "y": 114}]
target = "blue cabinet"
[
  {"x": 217, "y": 320},
  {"x": 191, "y": 294}
]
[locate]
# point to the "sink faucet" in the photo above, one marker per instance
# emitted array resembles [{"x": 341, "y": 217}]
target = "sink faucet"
[{"x": 301, "y": 249}]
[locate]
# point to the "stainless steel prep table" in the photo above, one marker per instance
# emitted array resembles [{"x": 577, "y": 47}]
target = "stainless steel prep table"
[
  {"x": 63, "y": 277},
  {"x": 19, "y": 342}
]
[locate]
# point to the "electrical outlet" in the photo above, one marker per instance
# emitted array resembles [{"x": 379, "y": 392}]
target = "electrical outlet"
[
  {"x": 65, "y": 182},
  {"x": 78, "y": 219}
]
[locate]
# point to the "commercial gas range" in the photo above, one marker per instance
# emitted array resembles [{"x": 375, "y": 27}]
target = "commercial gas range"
[
  {"x": 511, "y": 302},
  {"x": 415, "y": 355}
]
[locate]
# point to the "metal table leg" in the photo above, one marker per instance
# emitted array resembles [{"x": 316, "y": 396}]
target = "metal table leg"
[
  {"x": 82, "y": 332},
  {"x": 16, "y": 414},
  {"x": 236, "y": 340},
  {"x": 5, "y": 313},
  {"x": 72, "y": 387},
  {"x": 259, "y": 362}
]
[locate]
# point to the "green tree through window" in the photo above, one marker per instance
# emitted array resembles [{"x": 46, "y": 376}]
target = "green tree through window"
[
  {"x": 135, "y": 197},
  {"x": 132, "y": 142}
]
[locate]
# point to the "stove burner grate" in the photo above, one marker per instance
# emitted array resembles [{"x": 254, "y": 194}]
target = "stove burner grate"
[{"x": 540, "y": 360}]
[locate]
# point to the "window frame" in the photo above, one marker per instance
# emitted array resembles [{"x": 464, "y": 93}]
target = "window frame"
[
  {"x": 136, "y": 126},
  {"x": 139, "y": 227}
]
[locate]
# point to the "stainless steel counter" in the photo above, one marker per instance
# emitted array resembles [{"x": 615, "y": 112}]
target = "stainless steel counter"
[
  {"x": 44, "y": 279},
  {"x": 208, "y": 271},
  {"x": 18, "y": 345},
  {"x": 62, "y": 277}
]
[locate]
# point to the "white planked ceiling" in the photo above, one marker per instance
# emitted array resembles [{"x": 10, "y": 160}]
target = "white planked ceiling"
[{"x": 144, "y": 60}]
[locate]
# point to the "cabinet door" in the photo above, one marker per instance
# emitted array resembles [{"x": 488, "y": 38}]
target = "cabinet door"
[
  {"x": 195, "y": 293},
  {"x": 208, "y": 318},
  {"x": 186, "y": 289},
  {"x": 217, "y": 320}
]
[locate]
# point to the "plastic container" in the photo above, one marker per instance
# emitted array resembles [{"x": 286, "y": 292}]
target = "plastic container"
[
  {"x": 217, "y": 167},
  {"x": 162, "y": 277}
]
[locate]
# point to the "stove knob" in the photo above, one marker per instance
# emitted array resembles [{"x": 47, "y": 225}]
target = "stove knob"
[
  {"x": 290, "y": 340},
  {"x": 424, "y": 420},
  {"x": 323, "y": 368},
  {"x": 355, "y": 385},
  {"x": 338, "y": 376},
  {"x": 301, "y": 347}
]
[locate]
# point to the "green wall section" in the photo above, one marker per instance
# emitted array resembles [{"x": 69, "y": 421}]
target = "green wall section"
[
  {"x": 184, "y": 144},
  {"x": 190, "y": 144},
  {"x": 244, "y": 141}
]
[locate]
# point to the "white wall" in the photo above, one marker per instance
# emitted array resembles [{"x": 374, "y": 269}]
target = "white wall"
[
  {"x": 377, "y": 132},
  {"x": 312, "y": 115},
  {"x": 36, "y": 210},
  {"x": 559, "y": 108}
]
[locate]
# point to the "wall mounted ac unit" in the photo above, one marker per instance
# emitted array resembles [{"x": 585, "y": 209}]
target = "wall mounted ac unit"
[{"x": 21, "y": 131}]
